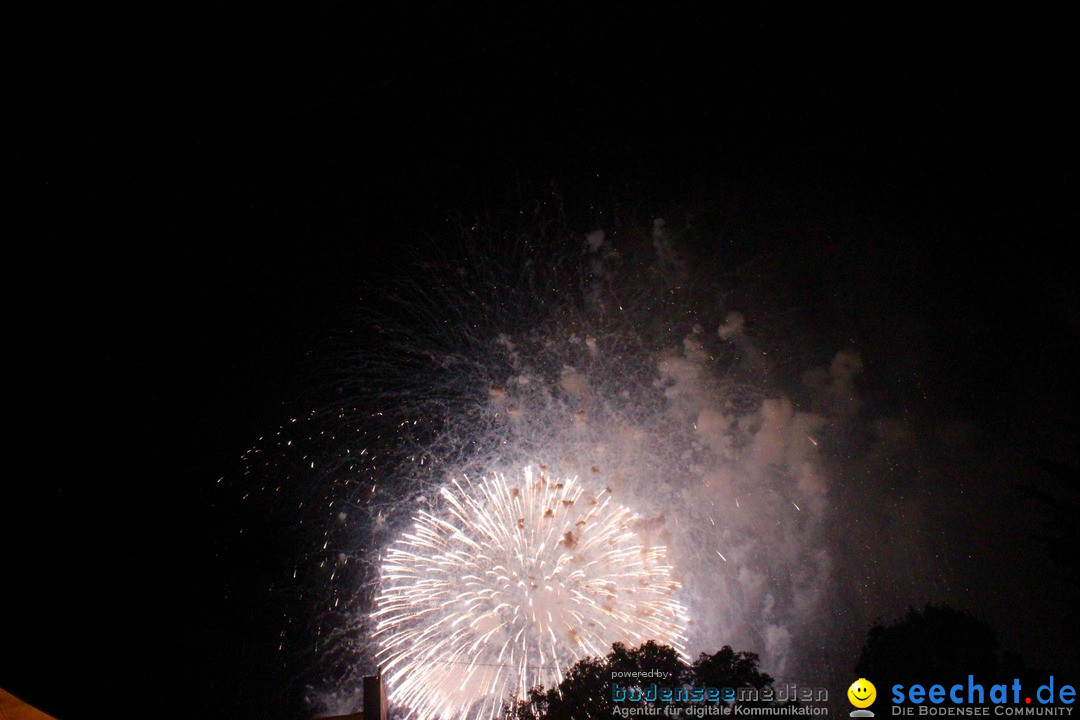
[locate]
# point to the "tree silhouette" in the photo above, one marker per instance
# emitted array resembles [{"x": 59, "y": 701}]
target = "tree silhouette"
[
  {"x": 938, "y": 643},
  {"x": 585, "y": 693},
  {"x": 728, "y": 668}
]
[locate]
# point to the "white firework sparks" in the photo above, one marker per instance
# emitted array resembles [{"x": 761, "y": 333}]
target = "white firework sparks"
[
  {"x": 512, "y": 586},
  {"x": 616, "y": 377}
]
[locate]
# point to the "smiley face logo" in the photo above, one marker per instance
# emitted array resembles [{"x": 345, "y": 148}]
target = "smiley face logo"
[{"x": 862, "y": 693}]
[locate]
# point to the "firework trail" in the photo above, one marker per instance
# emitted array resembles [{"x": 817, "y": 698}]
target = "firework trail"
[{"x": 517, "y": 582}]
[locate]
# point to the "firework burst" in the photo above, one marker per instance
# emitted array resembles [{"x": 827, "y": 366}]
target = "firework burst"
[
  {"x": 620, "y": 381},
  {"x": 514, "y": 582}
]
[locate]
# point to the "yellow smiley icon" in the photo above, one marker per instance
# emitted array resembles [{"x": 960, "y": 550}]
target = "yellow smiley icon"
[{"x": 862, "y": 693}]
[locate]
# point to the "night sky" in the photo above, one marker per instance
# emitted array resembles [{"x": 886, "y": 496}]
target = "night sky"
[{"x": 204, "y": 197}]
